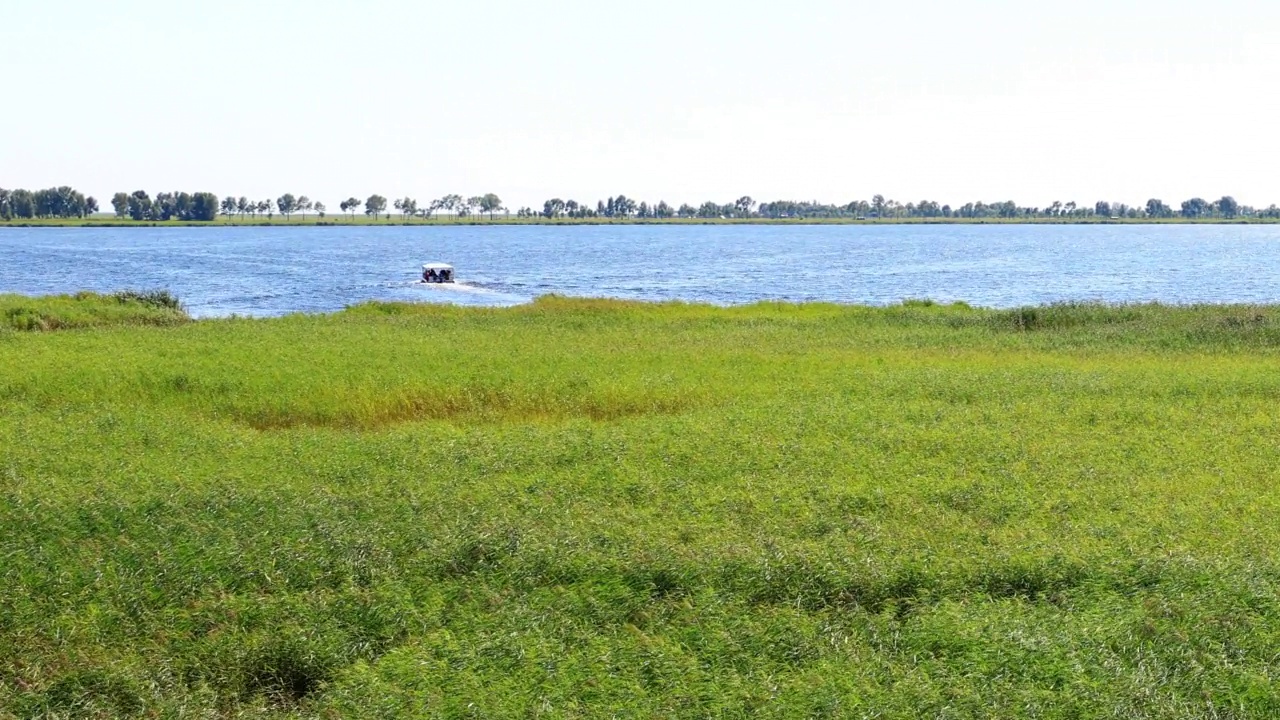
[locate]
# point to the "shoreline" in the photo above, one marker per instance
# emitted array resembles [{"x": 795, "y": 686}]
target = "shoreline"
[
  {"x": 161, "y": 307},
  {"x": 509, "y": 222}
]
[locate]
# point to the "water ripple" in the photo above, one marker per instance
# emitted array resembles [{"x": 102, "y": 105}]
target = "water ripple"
[{"x": 272, "y": 271}]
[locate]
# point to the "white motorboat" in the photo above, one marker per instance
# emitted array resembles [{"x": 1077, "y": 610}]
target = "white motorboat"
[{"x": 437, "y": 273}]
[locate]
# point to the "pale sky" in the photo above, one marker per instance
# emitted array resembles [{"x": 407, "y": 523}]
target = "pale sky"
[{"x": 682, "y": 100}]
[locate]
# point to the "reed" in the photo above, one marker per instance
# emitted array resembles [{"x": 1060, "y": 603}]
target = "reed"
[
  {"x": 589, "y": 508},
  {"x": 86, "y": 309}
]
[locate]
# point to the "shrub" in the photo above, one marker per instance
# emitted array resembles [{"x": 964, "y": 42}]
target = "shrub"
[{"x": 150, "y": 298}]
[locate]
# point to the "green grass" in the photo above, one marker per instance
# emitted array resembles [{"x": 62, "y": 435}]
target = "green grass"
[
  {"x": 583, "y": 508},
  {"x": 86, "y": 309},
  {"x": 483, "y": 220}
]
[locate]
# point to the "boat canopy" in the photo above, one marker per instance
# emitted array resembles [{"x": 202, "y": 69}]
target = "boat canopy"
[{"x": 437, "y": 266}]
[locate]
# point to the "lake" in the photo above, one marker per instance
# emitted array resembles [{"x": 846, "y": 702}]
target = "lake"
[{"x": 277, "y": 270}]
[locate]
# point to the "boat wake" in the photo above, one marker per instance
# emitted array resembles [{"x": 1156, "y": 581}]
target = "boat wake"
[
  {"x": 454, "y": 287},
  {"x": 459, "y": 293}
]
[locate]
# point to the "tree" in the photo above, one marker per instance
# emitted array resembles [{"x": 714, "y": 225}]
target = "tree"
[
  {"x": 59, "y": 202},
  {"x": 491, "y": 203},
  {"x": 320, "y": 208},
  {"x": 304, "y": 206},
  {"x": 187, "y": 206},
  {"x": 926, "y": 209},
  {"x": 1157, "y": 209},
  {"x": 449, "y": 203},
  {"x": 288, "y": 204},
  {"x": 552, "y": 208},
  {"x": 1195, "y": 208},
  {"x": 120, "y": 203},
  {"x": 470, "y": 205},
  {"x": 429, "y": 209},
  {"x": 228, "y": 206},
  {"x": 1008, "y": 209},
  {"x": 90, "y": 206},
  {"x": 375, "y": 206},
  {"x": 266, "y": 207},
  {"x": 407, "y": 206},
  {"x": 1228, "y": 206},
  {"x": 624, "y": 206},
  {"x": 173, "y": 205},
  {"x": 200, "y": 207},
  {"x": 743, "y": 205},
  {"x": 878, "y": 205},
  {"x": 1103, "y": 209},
  {"x": 243, "y": 206},
  {"x": 6, "y": 212},
  {"x": 21, "y": 204},
  {"x": 139, "y": 205},
  {"x": 161, "y": 207}
]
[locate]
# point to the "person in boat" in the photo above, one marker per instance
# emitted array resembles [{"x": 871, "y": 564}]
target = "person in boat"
[{"x": 429, "y": 275}]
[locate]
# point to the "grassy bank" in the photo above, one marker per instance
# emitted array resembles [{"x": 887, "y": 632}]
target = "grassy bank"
[
  {"x": 450, "y": 221},
  {"x": 588, "y": 509},
  {"x": 87, "y": 310}
]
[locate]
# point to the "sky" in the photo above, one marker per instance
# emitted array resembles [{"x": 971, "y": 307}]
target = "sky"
[{"x": 676, "y": 100}]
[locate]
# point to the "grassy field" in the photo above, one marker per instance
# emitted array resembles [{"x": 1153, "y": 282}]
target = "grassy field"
[
  {"x": 484, "y": 220},
  {"x": 583, "y": 508}
]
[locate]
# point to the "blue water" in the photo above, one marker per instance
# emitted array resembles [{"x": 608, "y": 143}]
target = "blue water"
[{"x": 272, "y": 271}]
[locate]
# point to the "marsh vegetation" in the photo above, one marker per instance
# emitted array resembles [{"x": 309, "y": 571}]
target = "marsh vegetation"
[{"x": 581, "y": 508}]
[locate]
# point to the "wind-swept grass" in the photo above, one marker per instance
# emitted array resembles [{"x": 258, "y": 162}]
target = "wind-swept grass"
[
  {"x": 87, "y": 309},
  {"x": 582, "y": 508}
]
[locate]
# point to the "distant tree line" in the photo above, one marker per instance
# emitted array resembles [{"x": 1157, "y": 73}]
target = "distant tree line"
[
  {"x": 60, "y": 202},
  {"x": 138, "y": 205},
  {"x": 880, "y": 207},
  {"x": 374, "y": 206},
  {"x": 458, "y": 205},
  {"x": 287, "y": 205},
  {"x": 65, "y": 202}
]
